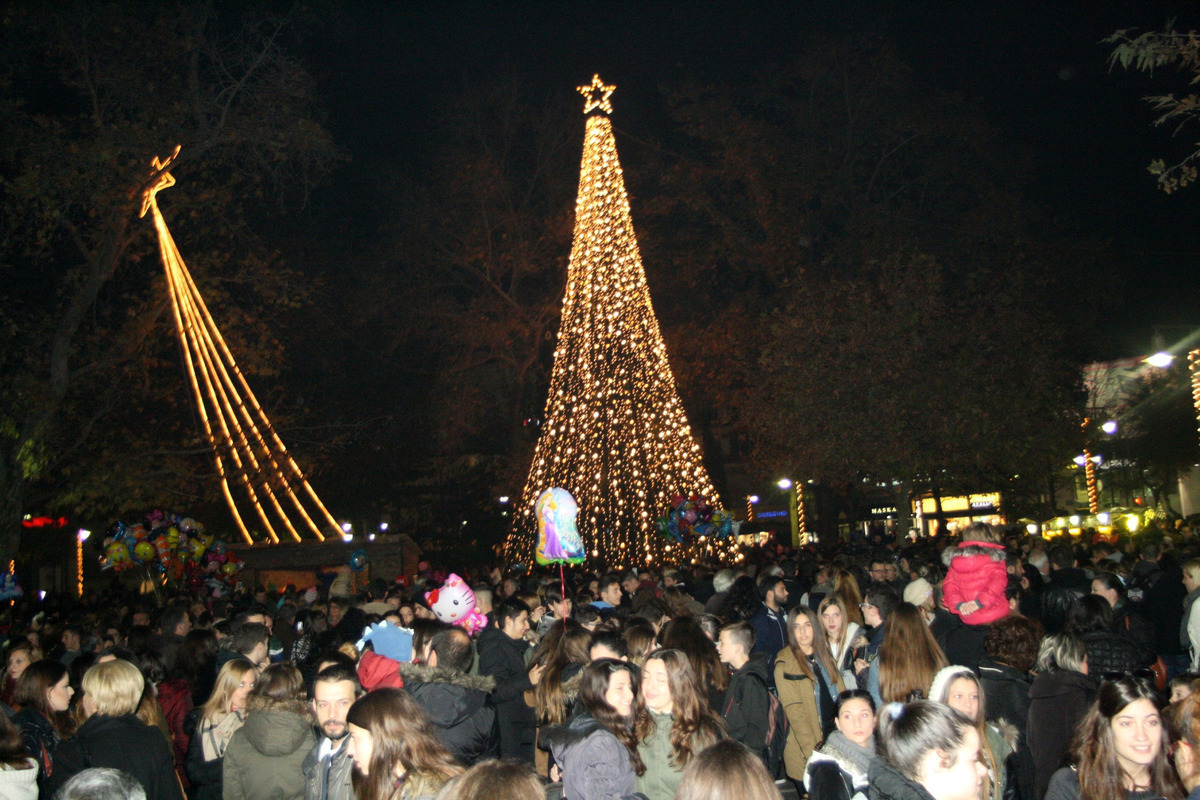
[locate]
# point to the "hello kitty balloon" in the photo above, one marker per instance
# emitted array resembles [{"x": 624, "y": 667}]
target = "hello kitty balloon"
[{"x": 454, "y": 604}]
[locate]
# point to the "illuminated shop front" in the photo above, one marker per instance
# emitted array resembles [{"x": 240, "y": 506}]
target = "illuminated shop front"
[{"x": 958, "y": 512}]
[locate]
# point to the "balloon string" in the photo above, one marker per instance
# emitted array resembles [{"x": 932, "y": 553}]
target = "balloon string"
[{"x": 563, "y": 580}]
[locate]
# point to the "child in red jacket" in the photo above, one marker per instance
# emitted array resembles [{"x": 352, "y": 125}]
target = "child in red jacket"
[{"x": 977, "y": 576}]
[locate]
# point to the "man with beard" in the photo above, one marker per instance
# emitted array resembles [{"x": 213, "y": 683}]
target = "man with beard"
[{"x": 327, "y": 767}]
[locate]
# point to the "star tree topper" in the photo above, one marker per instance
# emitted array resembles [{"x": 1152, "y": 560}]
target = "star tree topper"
[{"x": 596, "y": 95}]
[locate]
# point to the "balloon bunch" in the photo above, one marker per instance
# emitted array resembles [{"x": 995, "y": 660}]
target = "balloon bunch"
[
  {"x": 693, "y": 516},
  {"x": 171, "y": 545}
]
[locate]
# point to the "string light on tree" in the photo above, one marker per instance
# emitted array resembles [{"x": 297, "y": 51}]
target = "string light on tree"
[
  {"x": 615, "y": 434},
  {"x": 1194, "y": 366},
  {"x": 245, "y": 446}
]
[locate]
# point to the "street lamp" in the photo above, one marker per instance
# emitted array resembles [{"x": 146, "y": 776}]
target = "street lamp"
[
  {"x": 787, "y": 485},
  {"x": 1161, "y": 359}
]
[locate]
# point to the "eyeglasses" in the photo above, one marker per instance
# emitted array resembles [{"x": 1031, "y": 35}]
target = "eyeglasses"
[
  {"x": 865, "y": 606},
  {"x": 1137, "y": 675}
]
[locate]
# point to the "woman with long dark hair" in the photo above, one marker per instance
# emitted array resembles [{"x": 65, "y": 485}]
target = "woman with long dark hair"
[
  {"x": 840, "y": 631},
  {"x": 597, "y": 753},
  {"x": 1120, "y": 751},
  {"x": 808, "y": 683},
  {"x": 688, "y": 637},
  {"x": 837, "y": 769},
  {"x": 680, "y": 723},
  {"x": 908, "y": 659},
  {"x": 44, "y": 695},
  {"x": 396, "y": 752}
]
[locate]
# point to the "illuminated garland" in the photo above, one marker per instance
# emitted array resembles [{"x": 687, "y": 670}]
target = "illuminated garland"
[
  {"x": 245, "y": 446},
  {"x": 1194, "y": 365},
  {"x": 615, "y": 433}
]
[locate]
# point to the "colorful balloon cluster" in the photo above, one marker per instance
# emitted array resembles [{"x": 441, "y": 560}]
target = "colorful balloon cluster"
[
  {"x": 693, "y": 516},
  {"x": 171, "y": 545}
]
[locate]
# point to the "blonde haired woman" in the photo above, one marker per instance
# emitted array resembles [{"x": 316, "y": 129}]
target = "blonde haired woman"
[
  {"x": 213, "y": 725},
  {"x": 845, "y": 586},
  {"x": 113, "y": 736}
]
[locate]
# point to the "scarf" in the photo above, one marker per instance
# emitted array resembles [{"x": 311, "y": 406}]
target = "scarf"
[
  {"x": 847, "y": 752},
  {"x": 215, "y": 738},
  {"x": 1187, "y": 613}
]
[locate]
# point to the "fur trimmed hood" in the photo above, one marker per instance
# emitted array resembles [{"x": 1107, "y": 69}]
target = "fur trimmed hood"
[
  {"x": 1008, "y": 731},
  {"x": 995, "y": 552},
  {"x": 420, "y": 673}
]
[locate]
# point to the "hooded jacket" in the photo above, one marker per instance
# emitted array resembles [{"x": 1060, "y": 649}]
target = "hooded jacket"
[
  {"x": 747, "y": 704},
  {"x": 265, "y": 757},
  {"x": 594, "y": 763},
  {"x": 460, "y": 707},
  {"x": 1007, "y": 693},
  {"x": 328, "y": 780},
  {"x": 1057, "y": 701},
  {"x": 978, "y": 571},
  {"x": 124, "y": 743}
]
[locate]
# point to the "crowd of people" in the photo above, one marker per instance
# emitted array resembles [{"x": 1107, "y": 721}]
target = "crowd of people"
[{"x": 983, "y": 666}]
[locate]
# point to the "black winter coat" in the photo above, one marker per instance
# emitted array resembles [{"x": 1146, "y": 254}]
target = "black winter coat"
[
  {"x": 747, "y": 704},
  {"x": 125, "y": 743},
  {"x": 503, "y": 659},
  {"x": 1108, "y": 651},
  {"x": 41, "y": 740},
  {"x": 1057, "y": 702},
  {"x": 888, "y": 784},
  {"x": 460, "y": 707},
  {"x": 1007, "y": 693}
]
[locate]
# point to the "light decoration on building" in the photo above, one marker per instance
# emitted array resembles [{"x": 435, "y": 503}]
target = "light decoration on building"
[
  {"x": 1089, "y": 472},
  {"x": 246, "y": 449},
  {"x": 615, "y": 434}
]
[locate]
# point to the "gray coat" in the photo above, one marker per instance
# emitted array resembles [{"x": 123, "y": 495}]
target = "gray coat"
[
  {"x": 336, "y": 778},
  {"x": 594, "y": 763}
]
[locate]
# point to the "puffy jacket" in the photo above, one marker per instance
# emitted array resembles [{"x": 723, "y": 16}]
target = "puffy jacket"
[
  {"x": 594, "y": 763},
  {"x": 265, "y": 757},
  {"x": 124, "y": 743},
  {"x": 337, "y": 782},
  {"x": 460, "y": 707},
  {"x": 1057, "y": 701},
  {"x": 977, "y": 571},
  {"x": 1108, "y": 651}
]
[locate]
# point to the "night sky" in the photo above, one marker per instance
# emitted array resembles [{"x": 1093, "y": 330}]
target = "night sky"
[{"x": 1038, "y": 70}]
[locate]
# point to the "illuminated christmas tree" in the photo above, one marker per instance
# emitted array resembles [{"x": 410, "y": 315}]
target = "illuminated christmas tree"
[{"x": 615, "y": 434}]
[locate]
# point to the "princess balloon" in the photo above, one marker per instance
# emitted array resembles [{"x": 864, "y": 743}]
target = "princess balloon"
[{"x": 558, "y": 538}]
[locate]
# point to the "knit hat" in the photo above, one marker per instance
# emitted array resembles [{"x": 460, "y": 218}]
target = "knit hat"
[
  {"x": 311, "y": 595},
  {"x": 918, "y": 591},
  {"x": 946, "y": 676}
]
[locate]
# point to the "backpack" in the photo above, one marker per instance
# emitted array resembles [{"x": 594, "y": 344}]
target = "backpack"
[{"x": 778, "y": 729}]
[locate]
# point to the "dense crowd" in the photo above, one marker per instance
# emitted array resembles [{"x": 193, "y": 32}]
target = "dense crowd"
[{"x": 978, "y": 667}]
